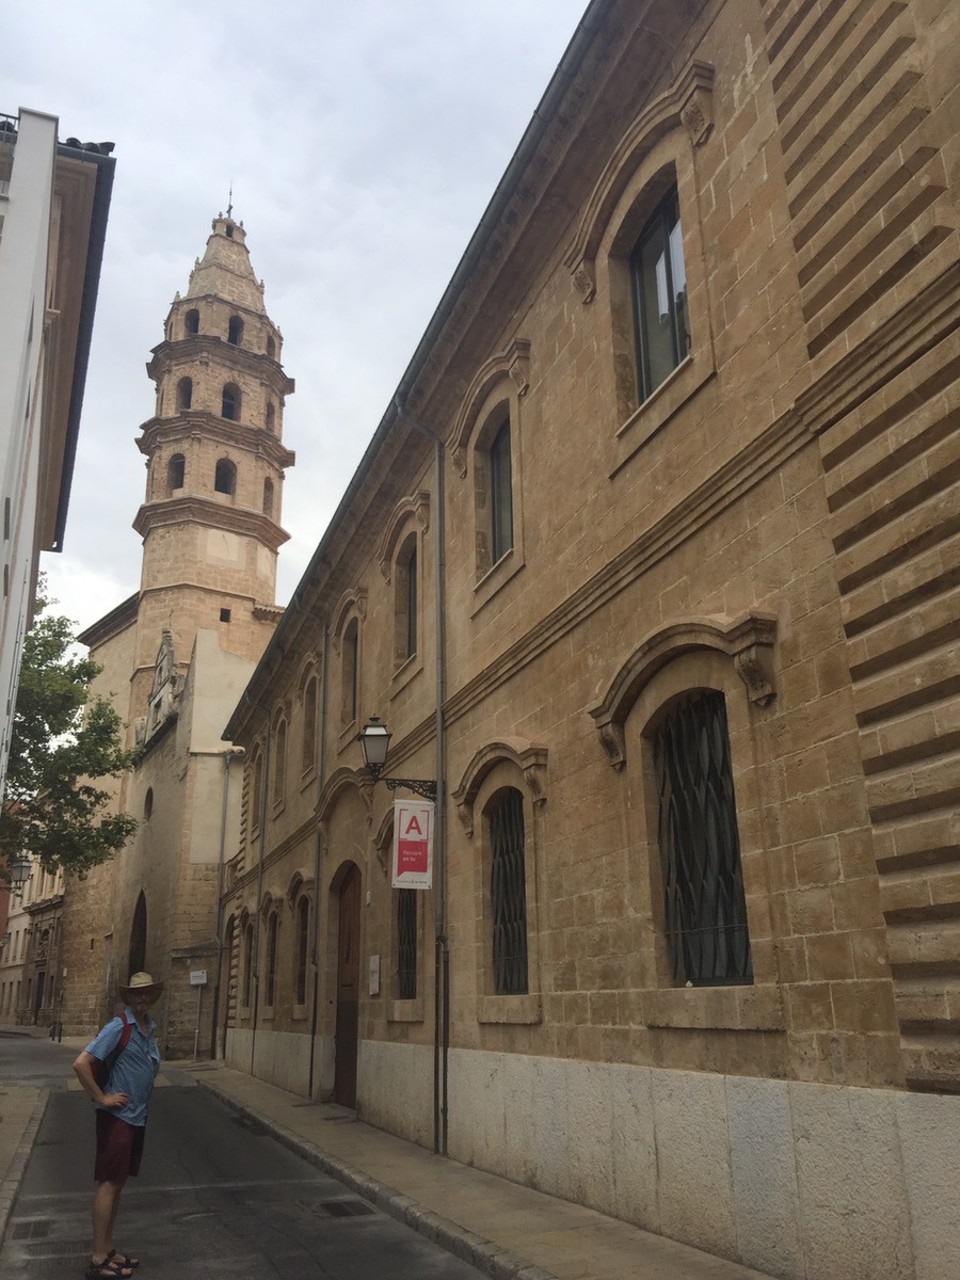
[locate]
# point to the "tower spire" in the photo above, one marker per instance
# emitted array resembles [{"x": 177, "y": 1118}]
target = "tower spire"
[{"x": 230, "y": 201}]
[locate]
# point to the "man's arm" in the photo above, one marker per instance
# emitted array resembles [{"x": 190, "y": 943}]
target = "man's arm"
[{"x": 83, "y": 1069}]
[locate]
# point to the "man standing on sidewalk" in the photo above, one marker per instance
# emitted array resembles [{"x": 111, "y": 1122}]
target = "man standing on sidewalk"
[{"x": 125, "y": 1056}]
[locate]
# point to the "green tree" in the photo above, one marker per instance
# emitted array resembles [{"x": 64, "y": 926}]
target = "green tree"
[{"x": 62, "y": 743}]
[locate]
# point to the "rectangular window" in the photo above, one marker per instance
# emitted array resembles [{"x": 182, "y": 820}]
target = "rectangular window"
[
  {"x": 411, "y": 636},
  {"x": 406, "y": 944},
  {"x": 705, "y": 910},
  {"x": 660, "y": 297}
]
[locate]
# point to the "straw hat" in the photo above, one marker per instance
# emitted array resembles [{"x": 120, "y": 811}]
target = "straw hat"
[{"x": 140, "y": 982}]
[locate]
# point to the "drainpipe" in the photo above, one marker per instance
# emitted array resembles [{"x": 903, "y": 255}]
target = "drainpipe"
[
  {"x": 256, "y": 935},
  {"x": 441, "y": 977},
  {"x": 232, "y": 753},
  {"x": 315, "y": 959}
]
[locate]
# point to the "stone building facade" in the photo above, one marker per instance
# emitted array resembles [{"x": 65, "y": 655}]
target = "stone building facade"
[
  {"x": 177, "y": 655},
  {"x": 652, "y": 566}
]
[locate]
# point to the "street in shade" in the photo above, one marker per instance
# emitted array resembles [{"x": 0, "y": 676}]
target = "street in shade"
[{"x": 215, "y": 1197}]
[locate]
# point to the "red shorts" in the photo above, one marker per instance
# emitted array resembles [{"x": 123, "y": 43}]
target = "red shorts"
[{"x": 119, "y": 1148}]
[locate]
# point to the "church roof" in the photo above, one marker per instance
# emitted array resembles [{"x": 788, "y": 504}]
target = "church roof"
[{"x": 224, "y": 270}]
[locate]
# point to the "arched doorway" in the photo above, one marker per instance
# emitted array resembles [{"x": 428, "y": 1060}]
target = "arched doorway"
[
  {"x": 348, "y": 988},
  {"x": 137, "y": 955}
]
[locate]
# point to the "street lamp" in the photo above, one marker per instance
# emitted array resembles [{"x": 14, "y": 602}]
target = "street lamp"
[
  {"x": 374, "y": 742},
  {"x": 21, "y": 869}
]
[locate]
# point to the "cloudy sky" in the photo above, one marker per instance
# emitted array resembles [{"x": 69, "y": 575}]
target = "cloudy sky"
[{"x": 363, "y": 141}]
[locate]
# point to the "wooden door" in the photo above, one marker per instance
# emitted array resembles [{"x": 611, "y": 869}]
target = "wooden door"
[{"x": 348, "y": 991}]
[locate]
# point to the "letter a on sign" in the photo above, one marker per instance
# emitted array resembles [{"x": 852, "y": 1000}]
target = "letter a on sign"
[{"x": 412, "y": 844}]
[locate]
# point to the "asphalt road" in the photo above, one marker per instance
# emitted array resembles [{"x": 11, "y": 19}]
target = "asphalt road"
[{"x": 215, "y": 1197}]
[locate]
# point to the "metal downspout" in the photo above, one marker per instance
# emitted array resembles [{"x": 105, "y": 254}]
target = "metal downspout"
[
  {"x": 315, "y": 960},
  {"x": 441, "y": 1042}
]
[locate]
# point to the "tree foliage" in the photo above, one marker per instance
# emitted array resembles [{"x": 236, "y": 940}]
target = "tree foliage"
[{"x": 62, "y": 743}]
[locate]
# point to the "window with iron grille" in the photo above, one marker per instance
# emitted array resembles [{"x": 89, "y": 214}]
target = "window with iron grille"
[
  {"x": 271, "y": 983},
  {"x": 705, "y": 911},
  {"x": 247, "y": 965},
  {"x": 303, "y": 937},
  {"x": 406, "y": 944},
  {"x": 508, "y": 896}
]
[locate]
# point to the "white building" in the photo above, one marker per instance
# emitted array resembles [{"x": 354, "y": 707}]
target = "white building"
[{"x": 54, "y": 201}]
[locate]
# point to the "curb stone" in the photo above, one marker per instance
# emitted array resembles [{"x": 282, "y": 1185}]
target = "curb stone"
[
  {"x": 14, "y": 1176},
  {"x": 485, "y": 1255}
]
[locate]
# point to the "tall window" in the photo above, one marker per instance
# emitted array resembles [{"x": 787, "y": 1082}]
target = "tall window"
[
  {"x": 279, "y": 761},
  {"x": 271, "y": 414},
  {"x": 705, "y": 911},
  {"x": 270, "y": 986},
  {"x": 191, "y": 322},
  {"x": 230, "y": 403},
  {"x": 256, "y": 788},
  {"x": 308, "y": 751},
  {"x": 175, "y": 471},
  {"x": 303, "y": 938},
  {"x": 247, "y": 965},
  {"x": 501, "y": 494},
  {"x": 508, "y": 897},
  {"x": 225, "y": 476},
  {"x": 184, "y": 394},
  {"x": 660, "y": 296},
  {"x": 405, "y": 600},
  {"x": 235, "y": 331},
  {"x": 349, "y": 674},
  {"x": 268, "y": 497},
  {"x": 406, "y": 944}
]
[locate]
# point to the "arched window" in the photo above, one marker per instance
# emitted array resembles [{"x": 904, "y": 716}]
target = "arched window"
[
  {"x": 268, "y": 497},
  {"x": 235, "y": 331},
  {"x": 256, "y": 790},
  {"x": 501, "y": 493},
  {"x": 270, "y": 986},
  {"x": 705, "y": 910},
  {"x": 137, "y": 954},
  {"x": 247, "y": 986},
  {"x": 191, "y": 322},
  {"x": 279, "y": 761},
  {"x": 508, "y": 902},
  {"x": 302, "y": 950},
  {"x": 406, "y": 599},
  {"x": 309, "y": 744},
  {"x": 230, "y": 408},
  {"x": 349, "y": 672},
  {"x": 184, "y": 394},
  {"x": 225, "y": 477},
  {"x": 271, "y": 416},
  {"x": 271, "y": 348},
  {"x": 175, "y": 472},
  {"x": 659, "y": 281},
  {"x": 148, "y": 804}
]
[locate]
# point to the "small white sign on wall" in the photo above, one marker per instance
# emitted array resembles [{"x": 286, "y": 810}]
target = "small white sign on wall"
[{"x": 198, "y": 977}]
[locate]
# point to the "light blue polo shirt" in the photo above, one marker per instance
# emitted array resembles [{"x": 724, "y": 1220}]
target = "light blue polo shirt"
[{"x": 135, "y": 1069}]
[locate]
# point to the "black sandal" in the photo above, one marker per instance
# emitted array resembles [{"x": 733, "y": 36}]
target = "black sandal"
[
  {"x": 107, "y": 1270},
  {"x": 122, "y": 1260}
]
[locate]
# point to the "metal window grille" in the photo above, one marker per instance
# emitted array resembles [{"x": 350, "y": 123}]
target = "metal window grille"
[
  {"x": 508, "y": 897},
  {"x": 303, "y": 924},
  {"x": 704, "y": 904},
  {"x": 247, "y": 964},
  {"x": 407, "y": 944},
  {"x": 271, "y": 961}
]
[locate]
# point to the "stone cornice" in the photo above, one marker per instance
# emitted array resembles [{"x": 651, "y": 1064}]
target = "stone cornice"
[
  {"x": 256, "y": 440},
  {"x": 198, "y": 510},
  {"x": 183, "y": 352}
]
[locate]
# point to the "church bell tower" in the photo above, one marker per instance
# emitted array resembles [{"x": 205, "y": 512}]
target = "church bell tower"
[{"x": 210, "y": 521}]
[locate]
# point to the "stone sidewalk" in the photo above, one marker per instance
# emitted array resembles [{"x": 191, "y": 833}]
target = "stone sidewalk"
[{"x": 509, "y": 1232}]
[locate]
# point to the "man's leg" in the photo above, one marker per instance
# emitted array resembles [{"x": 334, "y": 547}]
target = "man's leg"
[{"x": 106, "y": 1200}]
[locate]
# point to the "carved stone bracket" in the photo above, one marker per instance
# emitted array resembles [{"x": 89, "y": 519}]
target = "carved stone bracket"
[
  {"x": 747, "y": 640},
  {"x": 697, "y": 115}
]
